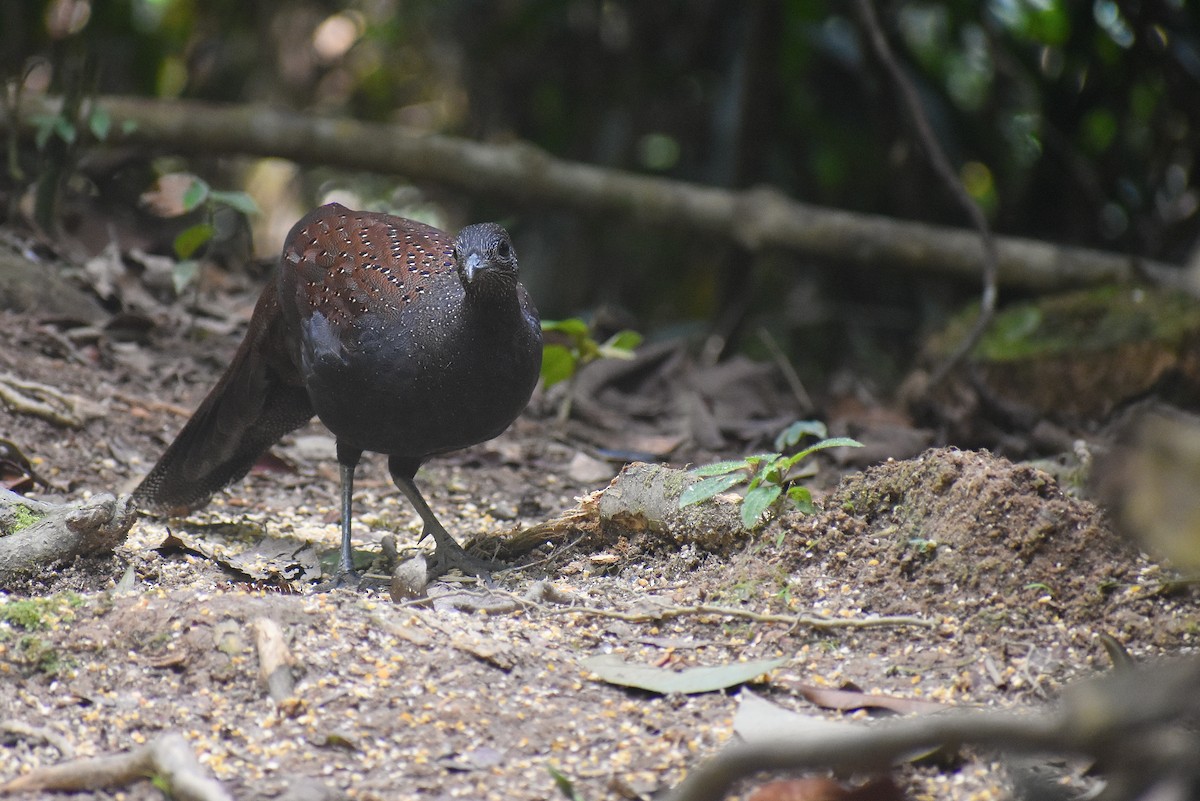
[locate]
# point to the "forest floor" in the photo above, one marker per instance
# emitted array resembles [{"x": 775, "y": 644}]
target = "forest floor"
[{"x": 1008, "y": 585}]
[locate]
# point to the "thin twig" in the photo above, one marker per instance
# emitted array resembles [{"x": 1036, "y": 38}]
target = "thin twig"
[
  {"x": 941, "y": 166},
  {"x": 168, "y": 758},
  {"x": 795, "y": 621},
  {"x": 532, "y": 601},
  {"x": 46, "y": 402},
  {"x": 789, "y": 372},
  {"x": 22, "y": 729}
]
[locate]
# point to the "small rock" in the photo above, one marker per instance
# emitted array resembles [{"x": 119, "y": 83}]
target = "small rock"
[
  {"x": 587, "y": 470},
  {"x": 409, "y": 579},
  {"x": 504, "y": 510}
]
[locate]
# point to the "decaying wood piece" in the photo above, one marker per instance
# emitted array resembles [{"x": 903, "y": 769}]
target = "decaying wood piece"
[
  {"x": 643, "y": 497},
  {"x": 646, "y": 497},
  {"x": 168, "y": 759},
  {"x": 583, "y": 520},
  {"x": 274, "y": 660},
  {"x": 60, "y": 532}
]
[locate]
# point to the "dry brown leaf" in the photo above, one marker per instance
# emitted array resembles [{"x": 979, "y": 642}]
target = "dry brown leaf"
[
  {"x": 823, "y": 789},
  {"x": 845, "y": 700}
]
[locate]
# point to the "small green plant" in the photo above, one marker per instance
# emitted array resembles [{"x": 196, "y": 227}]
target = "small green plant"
[
  {"x": 922, "y": 546},
  {"x": 768, "y": 477},
  {"x": 33, "y": 614},
  {"x": 60, "y": 125},
  {"x": 561, "y": 362},
  {"x": 40, "y": 655},
  {"x": 60, "y": 132},
  {"x": 193, "y": 239}
]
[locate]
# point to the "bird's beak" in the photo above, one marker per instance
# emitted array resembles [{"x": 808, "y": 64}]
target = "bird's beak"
[{"x": 474, "y": 264}]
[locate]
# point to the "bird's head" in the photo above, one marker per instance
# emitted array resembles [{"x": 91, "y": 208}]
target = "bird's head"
[{"x": 485, "y": 258}]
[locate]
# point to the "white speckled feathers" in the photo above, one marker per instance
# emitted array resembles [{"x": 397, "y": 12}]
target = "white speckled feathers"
[{"x": 350, "y": 261}]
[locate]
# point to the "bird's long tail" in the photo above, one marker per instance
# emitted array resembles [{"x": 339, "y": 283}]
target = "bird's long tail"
[{"x": 258, "y": 399}]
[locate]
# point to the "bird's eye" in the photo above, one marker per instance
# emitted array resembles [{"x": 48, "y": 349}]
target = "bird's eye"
[{"x": 503, "y": 250}]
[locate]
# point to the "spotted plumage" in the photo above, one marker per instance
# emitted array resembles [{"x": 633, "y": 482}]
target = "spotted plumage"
[{"x": 402, "y": 339}]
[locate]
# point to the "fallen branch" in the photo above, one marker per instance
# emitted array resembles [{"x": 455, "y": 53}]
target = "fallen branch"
[
  {"x": 759, "y": 218},
  {"x": 168, "y": 759},
  {"x": 63, "y": 532},
  {"x": 1138, "y": 726}
]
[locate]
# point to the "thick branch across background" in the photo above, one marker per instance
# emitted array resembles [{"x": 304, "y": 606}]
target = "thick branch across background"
[{"x": 756, "y": 218}]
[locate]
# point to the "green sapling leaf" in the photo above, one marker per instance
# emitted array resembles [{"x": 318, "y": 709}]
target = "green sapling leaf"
[
  {"x": 757, "y": 501},
  {"x": 709, "y": 487}
]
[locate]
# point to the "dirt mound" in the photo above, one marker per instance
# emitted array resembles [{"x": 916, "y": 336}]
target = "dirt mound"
[{"x": 971, "y": 535}]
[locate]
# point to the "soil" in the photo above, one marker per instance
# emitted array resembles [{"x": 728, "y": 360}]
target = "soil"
[{"x": 1016, "y": 580}]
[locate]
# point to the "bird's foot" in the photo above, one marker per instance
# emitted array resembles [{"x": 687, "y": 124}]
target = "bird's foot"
[
  {"x": 449, "y": 555},
  {"x": 342, "y": 579}
]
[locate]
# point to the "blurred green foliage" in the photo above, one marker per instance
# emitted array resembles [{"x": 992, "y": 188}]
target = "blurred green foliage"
[
  {"x": 193, "y": 240},
  {"x": 1077, "y": 122},
  {"x": 576, "y": 347},
  {"x": 1097, "y": 102}
]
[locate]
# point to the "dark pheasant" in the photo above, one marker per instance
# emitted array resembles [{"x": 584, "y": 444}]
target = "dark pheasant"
[{"x": 402, "y": 339}]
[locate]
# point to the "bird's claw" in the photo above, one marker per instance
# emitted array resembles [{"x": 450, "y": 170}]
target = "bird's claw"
[
  {"x": 342, "y": 579},
  {"x": 449, "y": 555}
]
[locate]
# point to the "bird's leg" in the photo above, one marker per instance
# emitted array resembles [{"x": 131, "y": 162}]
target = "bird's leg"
[
  {"x": 347, "y": 461},
  {"x": 346, "y": 565},
  {"x": 447, "y": 553}
]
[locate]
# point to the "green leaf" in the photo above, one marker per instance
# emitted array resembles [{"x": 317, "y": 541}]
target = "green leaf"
[
  {"x": 614, "y": 670},
  {"x": 128, "y": 126},
  {"x": 719, "y": 468},
  {"x": 65, "y": 130},
  {"x": 572, "y": 327},
  {"x": 757, "y": 501},
  {"x": 763, "y": 458},
  {"x": 100, "y": 123},
  {"x": 623, "y": 340},
  {"x": 564, "y": 784},
  {"x": 238, "y": 201},
  {"x": 558, "y": 364},
  {"x": 802, "y": 499},
  {"x": 835, "y": 442},
  {"x": 798, "y": 431},
  {"x": 703, "y": 490},
  {"x": 183, "y": 274},
  {"x": 192, "y": 239},
  {"x": 196, "y": 193},
  {"x": 605, "y": 352},
  {"x": 772, "y": 474}
]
